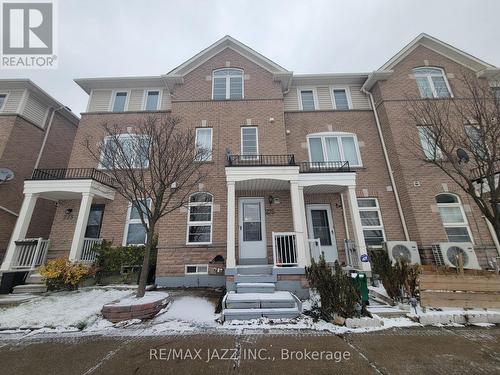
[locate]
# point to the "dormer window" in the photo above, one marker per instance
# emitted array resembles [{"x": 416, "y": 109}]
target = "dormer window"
[
  {"x": 120, "y": 101},
  {"x": 432, "y": 83},
  {"x": 227, "y": 84}
]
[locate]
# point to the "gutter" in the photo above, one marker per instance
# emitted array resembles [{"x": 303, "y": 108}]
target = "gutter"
[
  {"x": 47, "y": 131},
  {"x": 388, "y": 163}
]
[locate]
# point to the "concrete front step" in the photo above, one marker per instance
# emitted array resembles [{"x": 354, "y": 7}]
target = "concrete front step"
[
  {"x": 262, "y": 278},
  {"x": 272, "y": 313},
  {"x": 255, "y": 270},
  {"x": 34, "y": 278},
  {"x": 260, "y": 300},
  {"x": 255, "y": 287},
  {"x": 30, "y": 288}
]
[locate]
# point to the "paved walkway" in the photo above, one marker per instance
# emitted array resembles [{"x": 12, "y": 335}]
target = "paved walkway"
[{"x": 397, "y": 351}]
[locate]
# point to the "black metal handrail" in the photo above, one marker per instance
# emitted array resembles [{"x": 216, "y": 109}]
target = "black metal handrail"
[
  {"x": 73, "y": 174},
  {"x": 260, "y": 160},
  {"x": 324, "y": 166}
]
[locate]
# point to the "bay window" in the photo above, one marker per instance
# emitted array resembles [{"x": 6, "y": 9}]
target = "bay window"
[{"x": 334, "y": 147}]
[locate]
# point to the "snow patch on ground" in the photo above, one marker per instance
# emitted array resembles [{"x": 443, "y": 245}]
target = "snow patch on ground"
[{"x": 147, "y": 298}]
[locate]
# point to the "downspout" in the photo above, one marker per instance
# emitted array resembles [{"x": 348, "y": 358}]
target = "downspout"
[
  {"x": 54, "y": 110},
  {"x": 388, "y": 163}
]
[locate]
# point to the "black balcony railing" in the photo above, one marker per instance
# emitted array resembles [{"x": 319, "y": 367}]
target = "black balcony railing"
[
  {"x": 73, "y": 174},
  {"x": 324, "y": 166},
  {"x": 260, "y": 160}
]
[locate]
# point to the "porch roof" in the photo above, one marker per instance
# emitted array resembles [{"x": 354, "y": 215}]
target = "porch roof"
[{"x": 67, "y": 189}]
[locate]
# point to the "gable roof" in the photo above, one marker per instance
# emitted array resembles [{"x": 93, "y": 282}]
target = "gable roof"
[{"x": 280, "y": 74}]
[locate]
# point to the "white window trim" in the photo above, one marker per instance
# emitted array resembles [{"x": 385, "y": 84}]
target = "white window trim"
[
  {"x": 347, "y": 93},
  {"x": 145, "y": 99},
  {"x": 120, "y": 136},
  {"x": 431, "y": 82},
  {"x": 211, "y": 142},
  {"x": 256, "y": 139},
  {"x": 373, "y": 227},
  {"x": 129, "y": 221},
  {"x": 341, "y": 148},
  {"x": 438, "y": 152},
  {"x": 228, "y": 83},
  {"x": 464, "y": 224},
  {"x": 6, "y": 93},
  {"x": 200, "y": 223},
  {"x": 315, "y": 96},
  {"x": 197, "y": 272},
  {"x": 113, "y": 98}
]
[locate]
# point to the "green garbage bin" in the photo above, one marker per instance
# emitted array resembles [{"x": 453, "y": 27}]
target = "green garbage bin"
[{"x": 361, "y": 282}]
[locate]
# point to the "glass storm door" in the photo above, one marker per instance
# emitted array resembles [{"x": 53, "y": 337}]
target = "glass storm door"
[
  {"x": 320, "y": 226},
  {"x": 252, "y": 238}
]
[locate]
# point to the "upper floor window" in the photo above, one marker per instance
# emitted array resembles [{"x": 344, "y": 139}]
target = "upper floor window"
[
  {"x": 120, "y": 101},
  {"x": 453, "y": 217},
  {"x": 432, "y": 83},
  {"x": 125, "y": 151},
  {"x": 496, "y": 92},
  {"x": 334, "y": 147},
  {"x": 227, "y": 84},
  {"x": 199, "y": 228},
  {"x": 341, "y": 99},
  {"x": 203, "y": 144},
  {"x": 477, "y": 141},
  {"x": 152, "y": 100},
  {"x": 3, "y": 99},
  {"x": 431, "y": 150},
  {"x": 371, "y": 221},
  {"x": 249, "y": 141},
  {"x": 307, "y": 100}
]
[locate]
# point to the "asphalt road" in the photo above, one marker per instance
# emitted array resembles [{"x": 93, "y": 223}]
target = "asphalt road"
[{"x": 396, "y": 351}]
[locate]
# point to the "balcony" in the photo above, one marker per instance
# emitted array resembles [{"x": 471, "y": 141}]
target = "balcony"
[
  {"x": 72, "y": 174},
  {"x": 261, "y": 160},
  {"x": 324, "y": 166}
]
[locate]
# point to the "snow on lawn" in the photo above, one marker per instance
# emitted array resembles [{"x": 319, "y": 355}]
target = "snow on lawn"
[
  {"x": 147, "y": 298},
  {"x": 62, "y": 309}
]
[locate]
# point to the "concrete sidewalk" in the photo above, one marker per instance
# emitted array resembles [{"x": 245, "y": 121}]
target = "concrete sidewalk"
[{"x": 396, "y": 351}]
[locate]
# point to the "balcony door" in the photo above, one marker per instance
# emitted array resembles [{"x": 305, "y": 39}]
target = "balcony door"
[
  {"x": 320, "y": 226},
  {"x": 94, "y": 223},
  {"x": 252, "y": 228}
]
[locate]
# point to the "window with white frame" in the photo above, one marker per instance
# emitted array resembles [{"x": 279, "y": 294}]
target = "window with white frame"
[
  {"x": 341, "y": 98},
  {"x": 476, "y": 140},
  {"x": 135, "y": 233},
  {"x": 203, "y": 144},
  {"x": 307, "y": 100},
  {"x": 432, "y": 82},
  {"x": 227, "y": 84},
  {"x": 152, "y": 100},
  {"x": 429, "y": 147},
  {"x": 249, "y": 142},
  {"x": 334, "y": 147},
  {"x": 199, "y": 225},
  {"x": 3, "y": 99},
  {"x": 453, "y": 217},
  {"x": 196, "y": 269},
  {"x": 125, "y": 150},
  {"x": 371, "y": 221},
  {"x": 120, "y": 101}
]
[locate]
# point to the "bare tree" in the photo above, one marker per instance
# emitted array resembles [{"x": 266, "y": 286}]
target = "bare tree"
[
  {"x": 156, "y": 167},
  {"x": 460, "y": 135}
]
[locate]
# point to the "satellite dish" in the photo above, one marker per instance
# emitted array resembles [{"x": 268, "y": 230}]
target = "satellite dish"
[
  {"x": 6, "y": 175},
  {"x": 462, "y": 155}
]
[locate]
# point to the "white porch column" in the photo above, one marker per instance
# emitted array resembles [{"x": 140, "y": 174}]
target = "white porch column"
[
  {"x": 298, "y": 214},
  {"x": 20, "y": 229},
  {"x": 81, "y": 225},
  {"x": 231, "y": 212},
  {"x": 357, "y": 229}
]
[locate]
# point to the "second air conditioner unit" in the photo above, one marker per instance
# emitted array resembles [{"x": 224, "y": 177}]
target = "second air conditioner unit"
[
  {"x": 449, "y": 254},
  {"x": 406, "y": 250}
]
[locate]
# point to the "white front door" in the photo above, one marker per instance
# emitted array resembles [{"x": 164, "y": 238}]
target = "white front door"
[
  {"x": 320, "y": 226},
  {"x": 252, "y": 228}
]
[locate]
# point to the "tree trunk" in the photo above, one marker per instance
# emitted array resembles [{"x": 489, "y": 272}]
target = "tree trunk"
[{"x": 143, "y": 278}]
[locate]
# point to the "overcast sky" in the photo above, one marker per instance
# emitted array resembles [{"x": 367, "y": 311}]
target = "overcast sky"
[{"x": 130, "y": 37}]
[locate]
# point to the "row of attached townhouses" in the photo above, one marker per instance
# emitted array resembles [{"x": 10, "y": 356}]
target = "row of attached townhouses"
[{"x": 299, "y": 161}]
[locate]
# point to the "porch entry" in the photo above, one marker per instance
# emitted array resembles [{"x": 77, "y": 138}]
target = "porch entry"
[
  {"x": 320, "y": 226},
  {"x": 252, "y": 231}
]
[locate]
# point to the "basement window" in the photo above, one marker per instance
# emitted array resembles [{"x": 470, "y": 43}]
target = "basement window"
[{"x": 196, "y": 269}]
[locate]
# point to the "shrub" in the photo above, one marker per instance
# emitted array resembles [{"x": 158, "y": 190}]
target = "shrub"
[
  {"x": 60, "y": 273},
  {"x": 335, "y": 287},
  {"x": 112, "y": 258}
]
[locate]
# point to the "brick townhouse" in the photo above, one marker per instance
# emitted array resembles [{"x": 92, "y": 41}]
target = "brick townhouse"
[
  {"x": 36, "y": 131},
  {"x": 301, "y": 163}
]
